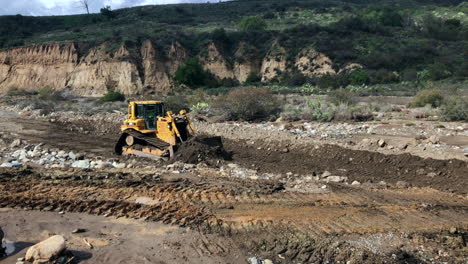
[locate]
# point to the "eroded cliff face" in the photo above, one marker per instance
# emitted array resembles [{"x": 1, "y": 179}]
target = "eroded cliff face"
[{"x": 143, "y": 69}]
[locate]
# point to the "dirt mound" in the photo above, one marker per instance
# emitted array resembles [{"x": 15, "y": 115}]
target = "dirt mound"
[
  {"x": 198, "y": 149},
  {"x": 362, "y": 166}
]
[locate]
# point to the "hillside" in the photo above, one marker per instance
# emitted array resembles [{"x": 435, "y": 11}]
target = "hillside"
[{"x": 326, "y": 43}]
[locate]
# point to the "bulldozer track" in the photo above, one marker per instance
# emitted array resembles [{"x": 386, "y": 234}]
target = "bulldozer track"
[
  {"x": 236, "y": 207},
  {"x": 153, "y": 142}
]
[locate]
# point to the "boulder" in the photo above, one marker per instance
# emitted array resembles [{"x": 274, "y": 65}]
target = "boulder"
[
  {"x": 434, "y": 139},
  {"x": 381, "y": 143},
  {"x": 46, "y": 250}
]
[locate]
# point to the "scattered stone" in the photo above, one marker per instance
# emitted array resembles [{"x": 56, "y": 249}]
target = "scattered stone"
[
  {"x": 336, "y": 179},
  {"x": 119, "y": 165},
  {"x": 79, "y": 230},
  {"x": 72, "y": 155},
  {"x": 402, "y": 184},
  {"x": 431, "y": 174},
  {"x": 20, "y": 259},
  {"x": 453, "y": 230},
  {"x": 255, "y": 260},
  {"x": 46, "y": 250},
  {"x": 381, "y": 143},
  {"x": 285, "y": 150},
  {"x": 355, "y": 183},
  {"x": 16, "y": 143},
  {"x": 267, "y": 261},
  {"x": 326, "y": 174},
  {"x": 434, "y": 139}
]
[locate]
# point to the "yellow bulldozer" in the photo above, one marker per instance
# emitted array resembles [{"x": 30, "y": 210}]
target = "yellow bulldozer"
[{"x": 149, "y": 131}]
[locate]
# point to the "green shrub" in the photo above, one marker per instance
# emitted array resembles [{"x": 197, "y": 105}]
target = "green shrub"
[
  {"x": 435, "y": 72},
  {"x": 432, "y": 97},
  {"x": 253, "y": 77},
  {"x": 112, "y": 97},
  {"x": 359, "y": 77},
  {"x": 175, "y": 103},
  {"x": 312, "y": 109},
  {"x": 454, "y": 109},
  {"x": 252, "y": 23},
  {"x": 47, "y": 93},
  {"x": 46, "y": 90},
  {"x": 317, "y": 109},
  {"x": 248, "y": 104},
  {"x": 341, "y": 96}
]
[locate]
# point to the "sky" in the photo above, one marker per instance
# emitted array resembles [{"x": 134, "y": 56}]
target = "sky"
[{"x": 67, "y": 7}]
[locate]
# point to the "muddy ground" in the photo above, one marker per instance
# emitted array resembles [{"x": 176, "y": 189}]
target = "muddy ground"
[{"x": 239, "y": 203}]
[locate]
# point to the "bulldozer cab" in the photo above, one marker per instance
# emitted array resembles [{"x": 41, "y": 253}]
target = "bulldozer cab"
[{"x": 150, "y": 113}]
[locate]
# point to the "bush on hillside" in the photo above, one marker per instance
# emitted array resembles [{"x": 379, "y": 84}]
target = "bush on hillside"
[
  {"x": 253, "y": 77},
  {"x": 252, "y": 23},
  {"x": 112, "y": 96},
  {"x": 249, "y": 104},
  {"x": 359, "y": 77},
  {"x": 431, "y": 97}
]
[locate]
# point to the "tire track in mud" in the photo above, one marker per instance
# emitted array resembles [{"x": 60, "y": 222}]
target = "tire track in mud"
[{"x": 230, "y": 209}]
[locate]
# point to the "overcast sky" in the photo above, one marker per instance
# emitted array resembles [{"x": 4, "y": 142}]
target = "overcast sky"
[{"x": 65, "y": 7}]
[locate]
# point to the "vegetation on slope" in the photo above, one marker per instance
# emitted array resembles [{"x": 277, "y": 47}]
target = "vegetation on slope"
[{"x": 419, "y": 40}]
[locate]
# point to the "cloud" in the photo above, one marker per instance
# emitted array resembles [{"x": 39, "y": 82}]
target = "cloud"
[{"x": 67, "y": 7}]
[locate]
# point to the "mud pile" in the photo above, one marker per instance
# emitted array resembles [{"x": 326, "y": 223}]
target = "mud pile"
[{"x": 202, "y": 148}]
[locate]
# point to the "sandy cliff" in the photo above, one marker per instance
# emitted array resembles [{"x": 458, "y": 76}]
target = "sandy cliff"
[{"x": 140, "y": 70}]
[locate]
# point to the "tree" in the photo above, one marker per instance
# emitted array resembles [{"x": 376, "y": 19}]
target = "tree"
[
  {"x": 107, "y": 12},
  {"x": 85, "y": 4},
  {"x": 252, "y": 23},
  {"x": 191, "y": 73}
]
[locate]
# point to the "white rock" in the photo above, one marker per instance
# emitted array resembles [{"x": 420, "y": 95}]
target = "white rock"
[
  {"x": 72, "y": 155},
  {"x": 13, "y": 164},
  {"x": 336, "y": 179},
  {"x": 84, "y": 164},
  {"x": 326, "y": 174},
  {"x": 355, "y": 183},
  {"x": 119, "y": 165},
  {"x": 16, "y": 143},
  {"x": 46, "y": 250}
]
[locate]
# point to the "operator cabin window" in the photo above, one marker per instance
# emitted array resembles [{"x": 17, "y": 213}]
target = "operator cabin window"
[
  {"x": 149, "y": 110},
  {"x": 140, "y": 111}
]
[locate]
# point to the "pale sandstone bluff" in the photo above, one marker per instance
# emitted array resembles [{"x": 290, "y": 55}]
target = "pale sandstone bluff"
[{"x": 140, "y": 70}]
